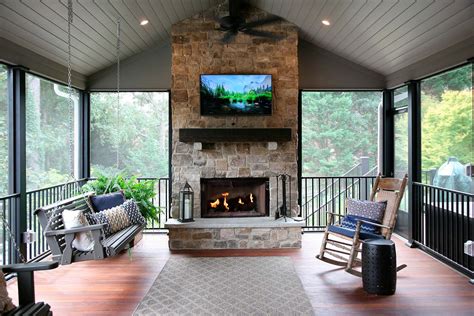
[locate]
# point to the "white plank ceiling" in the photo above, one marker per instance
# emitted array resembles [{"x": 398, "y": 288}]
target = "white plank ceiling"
[{"x": 382, "y": 35}]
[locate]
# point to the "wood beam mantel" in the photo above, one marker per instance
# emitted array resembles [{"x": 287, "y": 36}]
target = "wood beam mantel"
[{"x": 215, "y": 135}]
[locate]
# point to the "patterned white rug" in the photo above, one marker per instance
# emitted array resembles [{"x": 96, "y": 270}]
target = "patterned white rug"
[{"x": 226, "y": 286}]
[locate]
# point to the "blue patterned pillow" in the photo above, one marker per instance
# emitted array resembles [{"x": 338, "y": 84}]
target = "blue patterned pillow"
[
  {"x": 133, "y": 212},
  {"x": 350, "y": 222},
  {"x": 118, "y": 217},
  {"x": 373, "y": 211}
]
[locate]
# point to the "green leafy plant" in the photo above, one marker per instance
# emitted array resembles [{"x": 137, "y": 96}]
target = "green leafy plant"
[{"x": 141, "y": 192}]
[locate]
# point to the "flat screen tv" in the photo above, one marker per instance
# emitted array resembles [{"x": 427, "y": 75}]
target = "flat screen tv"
[{"x": 236, "y": 94}]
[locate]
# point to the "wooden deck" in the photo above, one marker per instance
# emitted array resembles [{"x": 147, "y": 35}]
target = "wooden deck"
[{"x": 116, "y": 285}]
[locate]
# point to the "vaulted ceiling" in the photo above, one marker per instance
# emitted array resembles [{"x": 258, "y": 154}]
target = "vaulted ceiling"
[{"x": 382, "y": 35}]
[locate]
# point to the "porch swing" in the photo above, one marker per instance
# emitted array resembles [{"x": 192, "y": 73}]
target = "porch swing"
[{"x": 58, "y": 236}]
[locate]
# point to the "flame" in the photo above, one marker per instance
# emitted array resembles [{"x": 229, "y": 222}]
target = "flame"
[
  {"x": 251, "y": 198},
  {"x": 226, "y": 205},
  {"x": 215, "y": 204},
  {"x": 240, "y": 201}
]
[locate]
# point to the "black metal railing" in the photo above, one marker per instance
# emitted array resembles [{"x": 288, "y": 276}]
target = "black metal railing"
[
  {"x": 443, "y": 220},
  {"x": 161, "y": 200},
  {"x": 320, "y": 195},
  {"x": 39, "y": 198},
  {"x": 7, "y": 208}
]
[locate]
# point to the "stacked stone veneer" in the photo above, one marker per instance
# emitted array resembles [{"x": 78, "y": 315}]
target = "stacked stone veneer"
[
  {"x": 235, "y": 238},
  {"x": 196, "y": 50}
]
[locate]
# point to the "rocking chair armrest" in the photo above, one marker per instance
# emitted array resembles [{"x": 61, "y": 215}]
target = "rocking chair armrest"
[
  {"x": 375, "y": 224},
  {"x": 29, "y": 267},
  {"x": 74, "y": 230}
]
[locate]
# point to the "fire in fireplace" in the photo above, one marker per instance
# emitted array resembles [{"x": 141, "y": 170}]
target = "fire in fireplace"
[{"x": 234, "y": 197}]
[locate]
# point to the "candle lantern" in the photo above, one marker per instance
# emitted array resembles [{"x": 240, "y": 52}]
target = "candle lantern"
[{"x": 186, "y": 202}]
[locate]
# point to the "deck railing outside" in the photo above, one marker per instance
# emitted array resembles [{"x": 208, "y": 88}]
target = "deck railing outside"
[
  {"x": 320, "y": 195},
  {"x": 443, "y": 220},
  {"x": 7, "y": 209}
]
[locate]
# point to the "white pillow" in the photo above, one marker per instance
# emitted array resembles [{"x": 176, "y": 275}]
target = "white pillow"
[{"x": 82, "y": 241}]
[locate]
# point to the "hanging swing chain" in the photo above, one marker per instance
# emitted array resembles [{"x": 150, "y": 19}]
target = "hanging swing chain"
[
  {"x": 62, "y": 193},
  {"x": 9, "y": 233},
  {"x": 69, "y": 86},
  {"x": 118, "y": 95}
]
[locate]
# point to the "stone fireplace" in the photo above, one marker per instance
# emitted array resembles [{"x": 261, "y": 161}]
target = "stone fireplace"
[
  {"x": 197, "y": 49},
  {"x": 234, "y": 197},
  {"x": 234, "y": 151}
]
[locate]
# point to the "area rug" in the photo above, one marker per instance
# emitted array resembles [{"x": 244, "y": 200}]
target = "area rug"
[{"x": 226, "y": 286}]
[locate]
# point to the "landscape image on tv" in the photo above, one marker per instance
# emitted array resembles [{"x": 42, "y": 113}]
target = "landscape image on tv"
[{"x": 236, "y": 94}]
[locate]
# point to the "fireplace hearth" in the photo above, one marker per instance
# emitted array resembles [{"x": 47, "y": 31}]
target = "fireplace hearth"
[{"x": 234, "y": 197}]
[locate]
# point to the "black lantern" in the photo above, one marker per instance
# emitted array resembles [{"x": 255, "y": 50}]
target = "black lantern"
[{"x": 186, "y": 202}]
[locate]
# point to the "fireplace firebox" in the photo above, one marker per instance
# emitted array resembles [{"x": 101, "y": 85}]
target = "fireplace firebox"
[{"x": 234, "y": 197}]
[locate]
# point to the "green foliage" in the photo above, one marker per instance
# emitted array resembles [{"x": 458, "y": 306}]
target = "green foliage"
[
  {"x": 455, "y": 80},
  {"x": 338, "y": 129},
  {"x": 447, "y": 128},
  {"x": 3, "y": 132},
  {"x": 138, "y": 131},
  {"x": 142, "y": 192}
]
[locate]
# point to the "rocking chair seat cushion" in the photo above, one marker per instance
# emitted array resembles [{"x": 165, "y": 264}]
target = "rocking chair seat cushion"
[
  {"x": 363, "y": 235},
  {"x": 350, "y": 222}
]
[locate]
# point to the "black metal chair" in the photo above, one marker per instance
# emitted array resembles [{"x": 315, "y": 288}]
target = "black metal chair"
[{"x": 26, "y": 288}]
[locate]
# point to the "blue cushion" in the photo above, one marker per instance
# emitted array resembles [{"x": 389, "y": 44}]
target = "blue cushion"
[
  {"x": 350, "y": 222},
  {"x": 106, "y": 201},
  {"x": 350, "y": 233}
]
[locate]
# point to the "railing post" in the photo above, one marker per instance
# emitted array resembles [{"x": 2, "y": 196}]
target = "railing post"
[
  {"x": 364, "y": 169},
  {"x": 84, "y": 135},
  {"x": 414, "y": 151},
  {"x": 388, "y": 156},
  {"x": 17, "y": 154}
]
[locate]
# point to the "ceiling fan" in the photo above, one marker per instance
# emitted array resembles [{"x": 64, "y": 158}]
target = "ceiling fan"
[{"x": 235, "y": 22}]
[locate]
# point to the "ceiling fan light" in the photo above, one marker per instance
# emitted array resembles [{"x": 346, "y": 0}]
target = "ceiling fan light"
[
  {"x": 326, "y": 22},
  {"x": 144, "y": 22}
]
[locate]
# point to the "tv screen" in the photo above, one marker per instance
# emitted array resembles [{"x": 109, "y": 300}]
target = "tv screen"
[{"x": 236, "y": 94}]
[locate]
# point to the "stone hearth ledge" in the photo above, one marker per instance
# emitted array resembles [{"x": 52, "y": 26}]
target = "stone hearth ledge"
[
  {"x": 233, "y": 222},
  {"x": 235, "y": 233}
]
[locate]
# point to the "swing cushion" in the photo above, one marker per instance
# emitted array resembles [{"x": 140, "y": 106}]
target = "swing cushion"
[
  {"x": 105, "y": 201},
  {"x": 118, "y": 217}
]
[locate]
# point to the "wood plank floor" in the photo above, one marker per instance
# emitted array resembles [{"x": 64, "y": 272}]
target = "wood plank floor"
[{"x": 116, "y": 285}]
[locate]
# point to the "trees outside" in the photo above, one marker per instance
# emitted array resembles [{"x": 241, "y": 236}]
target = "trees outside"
[
  {"x": 337, "y": 129},
  {"x": 447, "y": 118},
  {"x": 3, "y": 131},
  {"x": 133, "y": 135},
  {"x": 49, "y": 125}
]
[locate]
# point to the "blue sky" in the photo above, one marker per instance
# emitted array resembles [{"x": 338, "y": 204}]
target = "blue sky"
[{"x": 233, "y": 83}]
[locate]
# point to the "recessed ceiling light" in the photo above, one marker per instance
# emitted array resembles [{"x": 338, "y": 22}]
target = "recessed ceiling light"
[
  {"x": 143, "y": 22},
  {"x": 326, "y": 22}
]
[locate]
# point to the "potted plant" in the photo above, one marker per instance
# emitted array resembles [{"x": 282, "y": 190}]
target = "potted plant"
[{"x": 141, "y": 192}]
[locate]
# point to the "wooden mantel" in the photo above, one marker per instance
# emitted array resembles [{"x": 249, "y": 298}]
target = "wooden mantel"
[{"x": 214, "y": 135}]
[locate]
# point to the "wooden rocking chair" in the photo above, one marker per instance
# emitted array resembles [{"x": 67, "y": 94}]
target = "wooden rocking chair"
[{"x": 347, "y": 243}]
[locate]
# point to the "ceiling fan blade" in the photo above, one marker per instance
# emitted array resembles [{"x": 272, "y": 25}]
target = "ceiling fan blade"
[
  {"x": 268, "y": 20},
  {"x": 263, "y": 34},
  {"x": 227, "y": 38}
]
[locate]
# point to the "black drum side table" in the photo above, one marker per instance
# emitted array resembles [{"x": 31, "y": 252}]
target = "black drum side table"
[{"x": 379, "y": 266}]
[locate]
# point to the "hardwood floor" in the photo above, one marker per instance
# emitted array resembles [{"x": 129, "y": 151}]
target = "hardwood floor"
[{"x": 116, "y": 285}]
